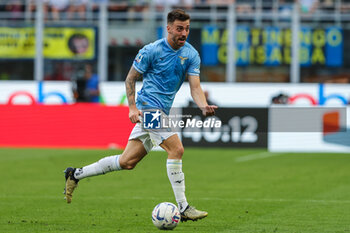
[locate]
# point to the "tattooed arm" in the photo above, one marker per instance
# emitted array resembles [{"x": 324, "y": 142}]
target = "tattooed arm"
[{"x": 130, "y": 81}]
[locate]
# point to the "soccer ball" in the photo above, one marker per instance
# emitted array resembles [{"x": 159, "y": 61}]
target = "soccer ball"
[{"x": 165, "y": 216}]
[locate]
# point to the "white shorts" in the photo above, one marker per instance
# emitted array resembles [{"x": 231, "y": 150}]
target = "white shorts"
[{"x": 149, "y": 137}]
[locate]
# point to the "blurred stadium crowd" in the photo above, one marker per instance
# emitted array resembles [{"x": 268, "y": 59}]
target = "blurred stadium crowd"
[
  {"x": 130, "y": 27},
  {"x": 78, "y": 9}
]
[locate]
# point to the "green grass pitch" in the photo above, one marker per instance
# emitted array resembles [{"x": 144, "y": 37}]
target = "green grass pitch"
[{"x": 242, "y": 190}]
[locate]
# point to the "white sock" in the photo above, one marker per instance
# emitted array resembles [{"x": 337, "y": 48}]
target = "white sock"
[
  {"x": 177, "y": 180},
  {"x": 104, "y": 165}
]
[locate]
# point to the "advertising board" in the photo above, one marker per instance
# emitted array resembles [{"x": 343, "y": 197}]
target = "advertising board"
[
  {"x": 311, "y": 129},
  {"x": 59, "y": 43},
  {"x": 241, "y": 127},
  {"x": 246, "y": 94},
  {"x": 32, "y": 92}
]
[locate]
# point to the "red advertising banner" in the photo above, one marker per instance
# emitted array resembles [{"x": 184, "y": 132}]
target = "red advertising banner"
[{"x": 64, "y": 126}]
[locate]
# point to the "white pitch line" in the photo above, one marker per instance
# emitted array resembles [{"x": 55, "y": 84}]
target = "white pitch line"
[
  {"x": 279, "y": 200},
  {"x": 258, "y": 200},
  {"x": 261, "y": 155}
]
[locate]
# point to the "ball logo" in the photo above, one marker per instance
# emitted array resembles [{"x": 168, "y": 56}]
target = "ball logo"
[{"x": 152, "y": 119}]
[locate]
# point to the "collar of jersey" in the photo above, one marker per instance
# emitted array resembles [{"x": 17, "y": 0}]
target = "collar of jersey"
[{"x": 167, "y": 43}]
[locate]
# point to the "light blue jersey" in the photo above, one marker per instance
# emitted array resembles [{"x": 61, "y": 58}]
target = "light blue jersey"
[{"x": 164, "y": 70}]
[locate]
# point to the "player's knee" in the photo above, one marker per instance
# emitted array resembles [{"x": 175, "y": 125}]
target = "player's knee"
[{"x": 178, "y": 151}]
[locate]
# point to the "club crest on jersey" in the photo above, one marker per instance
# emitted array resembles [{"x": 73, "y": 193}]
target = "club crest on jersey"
[{"x": 183, "y": 59}]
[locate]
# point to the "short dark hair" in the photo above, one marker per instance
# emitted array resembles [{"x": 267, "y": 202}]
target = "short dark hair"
[{"x": 177, "y": 14}]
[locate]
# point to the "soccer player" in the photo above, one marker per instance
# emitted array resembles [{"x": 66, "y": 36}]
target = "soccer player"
[{"x": 164, "y": 65}]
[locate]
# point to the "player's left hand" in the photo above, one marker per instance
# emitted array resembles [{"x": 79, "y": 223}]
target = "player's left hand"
[{"x": 209, "y": 110}]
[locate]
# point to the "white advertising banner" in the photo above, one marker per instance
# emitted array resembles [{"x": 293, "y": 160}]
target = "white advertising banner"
[
  {"x": 222, "y": 94},
  {"x": 247, "y": 94},
  {"x": 311, "y": 129},
  {"x": 32, "y": 92}
]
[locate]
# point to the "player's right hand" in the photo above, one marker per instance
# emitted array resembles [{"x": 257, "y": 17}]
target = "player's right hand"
[
  {"x": 209, "y": 110},
  {"x": 134, "y": 114}
]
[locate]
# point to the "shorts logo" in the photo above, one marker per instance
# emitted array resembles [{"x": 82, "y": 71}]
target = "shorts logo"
[{"x": 152, "y": 119}]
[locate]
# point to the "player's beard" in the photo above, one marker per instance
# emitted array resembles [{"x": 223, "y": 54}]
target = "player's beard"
[
  {"x": 180, "y": 41},
  {"x": 177, "y": 41}
]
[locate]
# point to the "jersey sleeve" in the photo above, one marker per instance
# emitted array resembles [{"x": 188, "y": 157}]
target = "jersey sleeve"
[
  {"x": 194, "y": 67},
  {"x": 142, "y": 60}
]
